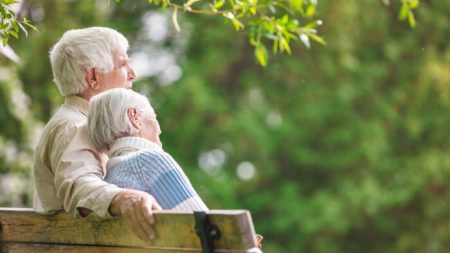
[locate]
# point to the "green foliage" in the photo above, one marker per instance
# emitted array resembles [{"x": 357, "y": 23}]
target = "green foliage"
[
  {"x": 406, "y": 11},
  {"x": 9, "y": 26},
  {"x": 266, "y": 21},
  {"x": 349, "y": 143},
  {"x": 275, "y": 22}
]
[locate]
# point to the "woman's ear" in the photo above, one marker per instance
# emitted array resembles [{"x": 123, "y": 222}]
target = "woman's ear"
[
  {"x": 91, "y": 79},
  {"x": 133, "y": 116}
]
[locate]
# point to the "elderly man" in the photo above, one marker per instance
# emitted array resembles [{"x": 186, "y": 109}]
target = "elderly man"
[
  {"x": 123, "y": 122},
  {"x": 68, "y": 169}
]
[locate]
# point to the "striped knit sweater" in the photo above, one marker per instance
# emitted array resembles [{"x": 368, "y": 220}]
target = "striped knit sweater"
[{"x": 139, "y": 164}]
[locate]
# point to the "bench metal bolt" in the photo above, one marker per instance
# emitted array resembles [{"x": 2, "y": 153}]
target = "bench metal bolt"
[{"x": 206, "y": 231}]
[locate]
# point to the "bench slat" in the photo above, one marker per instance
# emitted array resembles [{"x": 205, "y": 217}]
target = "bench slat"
[
  {"x": 14, "y": 247},
  {"x": 173, "y": 230}
]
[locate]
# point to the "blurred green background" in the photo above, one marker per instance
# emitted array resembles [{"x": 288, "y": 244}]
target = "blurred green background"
[{"x": 340, "y": 148}]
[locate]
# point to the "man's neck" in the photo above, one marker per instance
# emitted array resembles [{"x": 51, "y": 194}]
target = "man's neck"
[{"x": 87, "y": 94}]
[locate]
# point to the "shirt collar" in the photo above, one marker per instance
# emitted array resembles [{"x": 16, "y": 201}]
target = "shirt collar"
[
  {"x": 78, "y": 102},
  {"x": 126, "y": 145}
]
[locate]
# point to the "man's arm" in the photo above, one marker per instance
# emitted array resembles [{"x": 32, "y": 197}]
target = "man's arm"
[
  {"x": 79, "y": 183},
  {"x": 136, "y": 208}
]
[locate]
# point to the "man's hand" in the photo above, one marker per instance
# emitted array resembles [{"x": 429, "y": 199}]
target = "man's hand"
[
  {"x": 259, "y": 239},
  {"x": 136, "y": 208}
]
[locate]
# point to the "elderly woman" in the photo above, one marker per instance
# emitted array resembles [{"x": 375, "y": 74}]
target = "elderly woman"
[{"x": 124, "y": 123}]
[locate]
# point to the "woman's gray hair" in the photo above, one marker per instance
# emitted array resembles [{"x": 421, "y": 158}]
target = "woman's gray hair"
[
  {"x": 108, "y": 115},
  {"x": 80, "y": 49}
]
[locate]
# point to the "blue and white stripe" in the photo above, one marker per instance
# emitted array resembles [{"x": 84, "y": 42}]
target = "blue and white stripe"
[{"x": 157, "y": 173}]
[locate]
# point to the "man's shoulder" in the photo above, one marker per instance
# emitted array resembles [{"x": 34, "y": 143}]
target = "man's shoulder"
[
  {"x": 65, "y": 118},
  {"x": 67, "y": 115},
  {"x": 62, "y": 126}
]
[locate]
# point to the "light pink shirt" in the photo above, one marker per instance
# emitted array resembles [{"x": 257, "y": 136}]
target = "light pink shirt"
[{"x": 68, "y": 169}]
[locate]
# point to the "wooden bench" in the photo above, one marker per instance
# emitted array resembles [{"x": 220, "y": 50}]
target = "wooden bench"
[{"x": 24, "y": 231}]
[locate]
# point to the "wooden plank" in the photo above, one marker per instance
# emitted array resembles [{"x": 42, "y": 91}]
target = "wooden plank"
[
  {"x": 14, "y": 247},
  {"x": 173, "y": 230},
  {"x": 58, "y": 248}
]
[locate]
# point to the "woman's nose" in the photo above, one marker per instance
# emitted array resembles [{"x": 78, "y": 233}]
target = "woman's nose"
[{"x": 131, "y": 73}]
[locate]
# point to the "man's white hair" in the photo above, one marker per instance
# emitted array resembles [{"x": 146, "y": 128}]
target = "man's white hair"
[
  {"x": 80, "y": 49},
  {"x": 108, "y": 115}
]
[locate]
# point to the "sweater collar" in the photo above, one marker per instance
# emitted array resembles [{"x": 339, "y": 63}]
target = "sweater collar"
[
  {"x": 127, "y": 145},
  {"x": 78, "y": 102}
]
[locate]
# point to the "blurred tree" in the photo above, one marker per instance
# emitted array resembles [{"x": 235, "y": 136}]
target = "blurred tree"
[
  {"x": 275, "y": 21},
  {"x": 343, "y": 148},
  {"x": 10, "y": 22}
]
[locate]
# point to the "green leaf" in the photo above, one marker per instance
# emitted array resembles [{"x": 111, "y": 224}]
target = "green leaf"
[
  {"x": 13, "y": 33},
  {"x": 219, "y": 4},
  {"x": 411, "y": 20},
  {"x": 5, "y": 40},
  {"x": 164, "y": 5},
  {"x": 29, "y": 25},
  {"x": 403, "y": 12},
  {"x": 285, "y": 19},
  {"x": 297, "y": 5},
  {"x": 317, "y": 38},
  {"x": 284, "y": 45},
  {"x": 254, "y": 22},
  {"x": 275, "y": 47},
  {"x": 253, "y": 40},
  {"x": 414, "y": 4},
  {"x": 8, "y": 2},
  {"x": 289, "y": 35},
  {"x": 310, "y": 25},
  {"x": 237, "y": 25},
  {"x": 15, "y": 26},
  {"x": 261, "y": 54},
  {"x": 310, "y": 10}
]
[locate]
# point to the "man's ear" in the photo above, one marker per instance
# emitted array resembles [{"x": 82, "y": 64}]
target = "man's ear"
[
  {"x": 133, "y": 116},
  {"x": 91, "y": 79}
]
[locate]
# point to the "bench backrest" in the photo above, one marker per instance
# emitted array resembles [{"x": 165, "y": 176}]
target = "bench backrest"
[{"x": 23, "y": 230}]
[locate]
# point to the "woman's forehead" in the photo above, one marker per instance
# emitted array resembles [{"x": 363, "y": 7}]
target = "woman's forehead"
[
  {"x": 119, "y": 55},
  {"x": 149, "y": 109}
]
